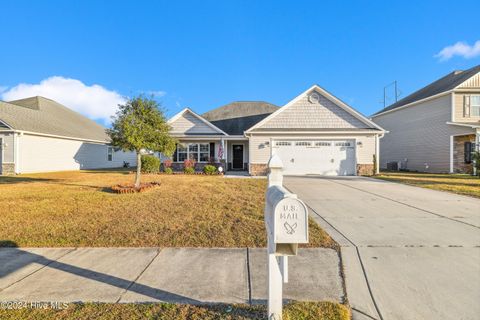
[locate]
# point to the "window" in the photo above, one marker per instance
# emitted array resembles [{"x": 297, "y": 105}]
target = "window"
[
  {"x": 199, "y": 152},
  {"x": 322, "y": 144},
  {"x": 204, "y": 152},
  {"x": 193, "y": 151},
  {"x": 303, "y": 144},
  {"x": 109, "y": 154},
  {"x": 342, "y": 144},
  {"x": 282, "y": 143},
  {"x": 182, "y": 152},
  {"x": 475, "y": 106},
  {"x": 468, "y": 149}
]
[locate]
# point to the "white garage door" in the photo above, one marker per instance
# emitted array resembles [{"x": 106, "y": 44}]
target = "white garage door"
[{"x": 325, "y": 157}]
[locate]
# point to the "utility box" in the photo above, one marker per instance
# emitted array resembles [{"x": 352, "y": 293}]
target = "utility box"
[{"x": 286, "y": 219}]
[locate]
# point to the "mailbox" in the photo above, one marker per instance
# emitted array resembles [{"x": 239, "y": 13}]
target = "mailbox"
[{"x": 286, "y": 219}]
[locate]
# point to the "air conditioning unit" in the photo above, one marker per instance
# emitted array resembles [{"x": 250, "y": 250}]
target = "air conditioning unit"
[{"x": 392, "y": 166}]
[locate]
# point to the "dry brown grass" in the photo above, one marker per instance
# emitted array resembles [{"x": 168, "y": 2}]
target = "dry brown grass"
[
  {"x": 292, "y": 311},
  {"x": 75, "y": 209},
  {"x": 456, "y": 183}
]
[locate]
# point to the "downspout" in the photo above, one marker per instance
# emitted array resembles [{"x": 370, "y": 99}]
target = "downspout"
[
  {"x": 477, "y": 149},
  {"x": 377, "y": 154},
  {"x": 16, "y": 152}
]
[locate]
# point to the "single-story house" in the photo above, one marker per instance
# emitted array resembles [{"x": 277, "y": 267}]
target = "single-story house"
[
  {"x": 436, "y": 128},
  {"x": 315, "y": 133},
  {"x": 39, "y": 135}
]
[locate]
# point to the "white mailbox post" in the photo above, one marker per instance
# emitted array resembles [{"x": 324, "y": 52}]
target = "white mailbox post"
[{"x": 286, "y": 220}]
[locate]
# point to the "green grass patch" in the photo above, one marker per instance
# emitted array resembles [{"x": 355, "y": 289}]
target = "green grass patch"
[
  {"x": 457, "y": 183},
  {"x": 292, "y": 311}
]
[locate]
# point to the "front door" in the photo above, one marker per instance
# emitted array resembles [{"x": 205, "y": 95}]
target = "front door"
[{"x": 237, "y": 162}]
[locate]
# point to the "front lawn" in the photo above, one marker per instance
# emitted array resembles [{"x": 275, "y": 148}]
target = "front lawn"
[
  {"x": 75, "y": 208},
  {"x": 457, "y": 183},
  {"x": 292, "y": 311}
]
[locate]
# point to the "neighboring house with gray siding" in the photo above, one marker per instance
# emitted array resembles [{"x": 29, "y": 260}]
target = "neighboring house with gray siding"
[
  {"x": 436, "y": 128},
  {"x": 39, "y": 135},
  {"x": 315, "y": 133}
]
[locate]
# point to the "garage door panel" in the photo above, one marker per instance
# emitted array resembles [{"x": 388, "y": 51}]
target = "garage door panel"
[{"x": 329, "y": 158}]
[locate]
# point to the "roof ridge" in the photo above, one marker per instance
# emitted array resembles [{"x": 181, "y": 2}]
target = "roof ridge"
[{"x": 411, "y": 98}]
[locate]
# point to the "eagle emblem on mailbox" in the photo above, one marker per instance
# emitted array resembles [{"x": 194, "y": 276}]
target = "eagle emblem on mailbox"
[{"x": 290, "y": 228}]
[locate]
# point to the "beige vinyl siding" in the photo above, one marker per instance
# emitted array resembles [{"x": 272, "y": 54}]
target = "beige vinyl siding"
[
  {"x": 42, "y": 154},
  {"x": 190, "y": 125},
  {"x": 473, "y": 82},
  {"x": 460, "y": 115},
  {"x": 304, "y": 114},
  {"x": 260, "y": 145},
  {"x": 419, "y": 134},
  {"x": 8, "y": 150}
]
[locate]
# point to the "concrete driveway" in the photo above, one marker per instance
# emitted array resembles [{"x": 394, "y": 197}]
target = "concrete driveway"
[{"x": 408, "y": 252}]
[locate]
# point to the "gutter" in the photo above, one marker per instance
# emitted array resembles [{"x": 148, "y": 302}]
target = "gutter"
[{"x": 60, "y": 137}]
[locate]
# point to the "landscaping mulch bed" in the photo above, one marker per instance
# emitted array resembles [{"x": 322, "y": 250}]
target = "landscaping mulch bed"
[{"x": 130, "y": 188}]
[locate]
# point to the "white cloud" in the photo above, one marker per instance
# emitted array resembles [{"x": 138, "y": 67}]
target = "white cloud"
[
  {"x": 461, "y": 49},
  {"x": 93, "y": 101}
]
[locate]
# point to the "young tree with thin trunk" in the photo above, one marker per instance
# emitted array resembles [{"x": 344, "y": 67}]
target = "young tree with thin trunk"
[{"x": 140, "y": 125}]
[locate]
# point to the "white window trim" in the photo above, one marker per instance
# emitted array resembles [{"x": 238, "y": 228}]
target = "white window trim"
[
  {"x": 108, "y": 153},
  {"x": 187, "y": 145}
]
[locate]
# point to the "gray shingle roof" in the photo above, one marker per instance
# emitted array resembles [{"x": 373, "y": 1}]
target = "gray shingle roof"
[
  {"x": 236, "y": 117},
  {"x": 446, "y": 83},
  {"x": 42, "y": 115}
]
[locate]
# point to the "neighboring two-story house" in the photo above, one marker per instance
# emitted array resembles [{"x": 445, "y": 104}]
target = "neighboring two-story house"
[{"x": 436, "y": 128}]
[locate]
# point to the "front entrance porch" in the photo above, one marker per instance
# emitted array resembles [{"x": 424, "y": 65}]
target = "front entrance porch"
[
  {"x": 231, "y": 154},
  {"x": 463, "y": 146},
  {"x": 236, "y": 155}
]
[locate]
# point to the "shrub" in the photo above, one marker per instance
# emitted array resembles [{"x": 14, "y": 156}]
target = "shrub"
[
  {"x": 209, "y": 169},
  {"x": 189, "y": 163},
  {"x": 150, "y": 164},
  {"x": 168, "y": 170},
  {"x": 189, "y": 170},
  {"x": 167, "y": 163}
]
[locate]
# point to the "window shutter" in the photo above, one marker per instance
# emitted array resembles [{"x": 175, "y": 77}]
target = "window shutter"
[
  {"x": 466, "y": 106},
  {"x": 468, "y": 152},
  {"x": 175, "y": 153},
  {"x": 212, "y": 150}
]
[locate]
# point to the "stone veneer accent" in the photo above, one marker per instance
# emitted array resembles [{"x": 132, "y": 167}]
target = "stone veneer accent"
[
  {"x": 459, "y": 164},
  {"x": 365, "y": 169},
  {"x": 8, "y": 169},
  {"x": 258, "y": 169}
]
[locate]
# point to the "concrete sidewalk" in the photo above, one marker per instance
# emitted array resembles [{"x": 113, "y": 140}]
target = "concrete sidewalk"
[{"x": 180, "y": 275}]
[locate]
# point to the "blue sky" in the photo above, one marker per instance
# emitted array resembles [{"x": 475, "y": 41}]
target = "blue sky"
[{"x": 203, "y": 54}]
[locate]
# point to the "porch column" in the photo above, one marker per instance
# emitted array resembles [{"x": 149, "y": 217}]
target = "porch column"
[{"x": 225, "y": 152}]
